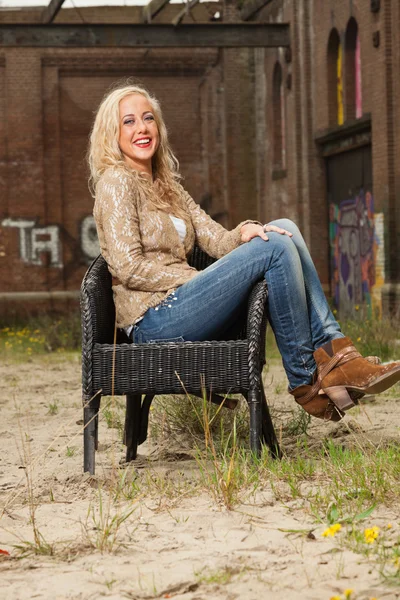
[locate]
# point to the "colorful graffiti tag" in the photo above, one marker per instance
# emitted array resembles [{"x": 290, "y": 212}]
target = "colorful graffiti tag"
[{"x": 356, "y": 241}]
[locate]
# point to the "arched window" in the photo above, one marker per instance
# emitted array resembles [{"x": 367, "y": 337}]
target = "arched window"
[
  {"x": 278, "y": 103},
  {"x": 335, "y": 79},
  {"x": 353, "y": 92},
  {"x": 359, "y": 110}
]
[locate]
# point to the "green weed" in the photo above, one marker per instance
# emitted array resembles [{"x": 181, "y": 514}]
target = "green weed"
[
  {"x": 103, "y": 524},
  {"x": 52, "y": 408}
]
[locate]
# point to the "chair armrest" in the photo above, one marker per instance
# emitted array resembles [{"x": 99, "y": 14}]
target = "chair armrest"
[
  {"x": 97, "y": 316},
  {"x": 256, "y": 321}
]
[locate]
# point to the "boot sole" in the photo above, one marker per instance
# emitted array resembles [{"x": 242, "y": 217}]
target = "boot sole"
[{"x": 381, "y": 384}]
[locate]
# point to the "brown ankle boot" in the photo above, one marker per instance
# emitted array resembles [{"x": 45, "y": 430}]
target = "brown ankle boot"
[
  {"x": 318, "y": 404},
  {"x": 342, "y": 371}
]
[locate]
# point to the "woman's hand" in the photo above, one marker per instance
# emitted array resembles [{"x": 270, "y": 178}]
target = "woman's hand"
[{"x": 251, "y": 230}]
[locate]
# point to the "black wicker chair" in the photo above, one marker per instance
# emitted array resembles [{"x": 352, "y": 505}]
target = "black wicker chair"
[{"x": 136, "y": 370}]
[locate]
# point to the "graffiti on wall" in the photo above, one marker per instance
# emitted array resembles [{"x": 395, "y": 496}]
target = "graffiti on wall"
[
  {"x": 89, "y": 240},
  {"x": 42, "y": 246},
  {"x": 35, "y": 241},
  {"x": 357, "y": 253}
]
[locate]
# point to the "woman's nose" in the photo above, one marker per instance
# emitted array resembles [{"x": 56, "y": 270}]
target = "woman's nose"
[{"x": 142, "y": 125}]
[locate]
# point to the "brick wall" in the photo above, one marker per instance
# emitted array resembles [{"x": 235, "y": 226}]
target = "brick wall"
[
  {"x": 47, "y": 101},
  {"x": 218, "y": 107},
  {"x": 300, "y": 191}
]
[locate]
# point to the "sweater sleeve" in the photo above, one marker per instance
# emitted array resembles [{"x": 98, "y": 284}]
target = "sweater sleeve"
[
  {"x": 212, "y": 237},
  {"x": 117, "y": 220}
]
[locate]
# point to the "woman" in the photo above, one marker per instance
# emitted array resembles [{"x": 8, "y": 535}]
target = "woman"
[{"x": 147, "y": 225}]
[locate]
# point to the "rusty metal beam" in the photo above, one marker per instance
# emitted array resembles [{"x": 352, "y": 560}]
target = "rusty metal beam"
[
  {"x": 252, "y": 7},
  {"x": 152, "y": 9},
  {"x": 49, "y": 13},
  {"x": 199, "y": 35},
  {"x": 185, "y": 10}
]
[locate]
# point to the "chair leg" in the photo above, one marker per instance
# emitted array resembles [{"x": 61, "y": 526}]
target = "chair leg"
[
  {"x": 268, "y": 430},
  {"x": 96, "y": 438},
  {"x": 254, "y": 401},
  {"x": 132, "y": 425},
  {"x": 90, "y": 415},
  {"x": 144, "y": 417}
]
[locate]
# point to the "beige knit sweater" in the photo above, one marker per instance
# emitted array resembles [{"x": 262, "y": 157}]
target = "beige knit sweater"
[{"x": 142, "y": 247}]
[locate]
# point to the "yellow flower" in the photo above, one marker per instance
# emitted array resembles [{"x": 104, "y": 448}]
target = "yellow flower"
[
  {"x": 335, "y": 598},
  {"x": 357, "y": 307},
  {"x": 348, "y": 593},
  {"x": 334, "y": 311},
  {"x": 358, "y": 339},
  {"x": 371, "y": 534},
  {"x": 332, "y": 530},
  {"x": 389, "y": 526}
]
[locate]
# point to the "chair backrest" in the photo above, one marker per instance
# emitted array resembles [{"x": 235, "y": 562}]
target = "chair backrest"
[
  {"x": 97, "y": 305},
  {"x": 199, "y": 259}
]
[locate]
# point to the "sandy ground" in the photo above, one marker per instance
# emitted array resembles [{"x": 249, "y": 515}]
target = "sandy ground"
[{"x": 186, "y": 547}]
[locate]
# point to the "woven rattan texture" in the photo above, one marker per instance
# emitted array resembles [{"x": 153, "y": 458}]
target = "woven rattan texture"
[{"x": 172, "y": 367}]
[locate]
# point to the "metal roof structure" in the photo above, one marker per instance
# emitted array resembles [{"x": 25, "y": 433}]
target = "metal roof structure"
[{"x": 146, "y": 33}]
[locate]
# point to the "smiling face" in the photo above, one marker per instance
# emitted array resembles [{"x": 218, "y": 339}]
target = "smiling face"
[{"x": 138, "y": 132}]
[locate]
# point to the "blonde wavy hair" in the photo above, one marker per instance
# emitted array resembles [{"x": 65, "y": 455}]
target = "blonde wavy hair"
[{"x": 104, "y": 151}]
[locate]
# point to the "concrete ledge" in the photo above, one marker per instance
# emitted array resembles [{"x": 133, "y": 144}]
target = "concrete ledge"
[
  {"x": 23, "y": 305},
  {"x": 38, "y": 296}
]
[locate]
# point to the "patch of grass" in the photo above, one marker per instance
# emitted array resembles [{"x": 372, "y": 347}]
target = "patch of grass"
[
  {"x": 41, "y": 334},
  {"x": 39, "y": 545},
  {"x": 52, "y": 408},
  {"x": 352, "y": 479},
  {"x": 181, "y": 417},
  {"x": 113, "y": 419},
  {"x": 373, "y": 336},
  {"x": 70, "y": 451},
  {"x": 219, "y": 577},
  {"x": 394, "y": 391},
  {"x": 228, "y": 469},
  {"x": 299, "y": 422},
  {"x": 103, "y": 524},
  {"x": 272, "y": 351}
]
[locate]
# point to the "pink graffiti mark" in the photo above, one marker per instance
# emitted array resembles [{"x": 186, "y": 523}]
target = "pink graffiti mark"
[{"x": 352, "y": 238}]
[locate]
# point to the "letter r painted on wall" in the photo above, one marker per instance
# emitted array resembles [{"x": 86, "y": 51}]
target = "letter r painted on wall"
[{"x": 34, "y": 241}]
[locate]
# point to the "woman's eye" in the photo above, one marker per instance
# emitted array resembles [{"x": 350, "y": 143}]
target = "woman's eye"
[
  {"x": 129, "y": 122},
  {"x": 149, "y": 118}
]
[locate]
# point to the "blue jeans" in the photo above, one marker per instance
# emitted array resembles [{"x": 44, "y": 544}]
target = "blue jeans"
[{"x": 207, "y": 305}]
